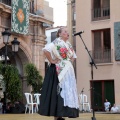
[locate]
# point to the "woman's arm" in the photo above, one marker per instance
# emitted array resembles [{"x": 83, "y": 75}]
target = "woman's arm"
[
  {"x": 48, "y": 55},
  {"x": 73, "y": 57}
]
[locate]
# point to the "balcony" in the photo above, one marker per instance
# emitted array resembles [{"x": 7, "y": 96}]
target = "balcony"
[
  {"x": 100, "y": 13},
  {"x": 8, "y": 2},
  {"x": 102, "y": 56}
]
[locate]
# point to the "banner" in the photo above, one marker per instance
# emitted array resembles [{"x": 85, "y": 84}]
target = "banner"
[
  {"x": 20, "y": 16},
  {"x": 117, "y": 40}
]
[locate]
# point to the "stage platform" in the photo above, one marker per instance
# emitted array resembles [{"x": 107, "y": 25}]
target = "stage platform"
[{"x": 35, "y": 116}]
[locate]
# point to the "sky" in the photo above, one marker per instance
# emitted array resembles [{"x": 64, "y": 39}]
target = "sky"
[{"x": 59, "y": 12}]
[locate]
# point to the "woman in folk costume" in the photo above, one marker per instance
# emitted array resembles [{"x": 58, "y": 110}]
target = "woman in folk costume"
[{"x": 59, "y": 96}]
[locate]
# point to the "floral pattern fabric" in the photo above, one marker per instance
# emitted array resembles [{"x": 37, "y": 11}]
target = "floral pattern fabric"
[{"x": 65, "y": 52}]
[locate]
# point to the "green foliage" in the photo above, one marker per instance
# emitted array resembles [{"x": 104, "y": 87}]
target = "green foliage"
[
  {"x": 1, "y": 67},
  {"x": 33, "y": 77},
  {"x": 12, "y": 82}
]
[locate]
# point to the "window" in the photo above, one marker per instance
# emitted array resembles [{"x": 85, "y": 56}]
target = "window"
[
  {"x": 7, "y": 2},
  {"x": 101, "y": 9},
  {"x": 32, "y": 6},
  {"x": 102, "y": 46},
  {"x": 102, "y": 39},
  {"x": 53, "y": 35}
]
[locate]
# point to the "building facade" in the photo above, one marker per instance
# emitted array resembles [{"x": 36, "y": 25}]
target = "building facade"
[
  {"x": 100, "y": 20},
  {"x": 30, "y": 48}
]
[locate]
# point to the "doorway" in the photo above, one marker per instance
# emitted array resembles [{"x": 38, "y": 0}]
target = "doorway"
[{"x": 103, "y": 89}]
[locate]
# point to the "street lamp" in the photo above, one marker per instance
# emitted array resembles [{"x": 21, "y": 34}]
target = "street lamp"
[
  {"x": 6, "y": 35},
  {"x": 15, "y": 44}
]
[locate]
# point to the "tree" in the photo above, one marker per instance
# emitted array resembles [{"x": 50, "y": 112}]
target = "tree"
[
  {"x": 33, "y": 77},
  {"x": 12, "y": 82}
]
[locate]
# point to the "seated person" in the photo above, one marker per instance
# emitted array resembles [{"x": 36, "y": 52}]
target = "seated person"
[
  {"x": 8, "y": 107},
  {"x": 107, "y": 105},
  {"x": 114, "y": 109}
]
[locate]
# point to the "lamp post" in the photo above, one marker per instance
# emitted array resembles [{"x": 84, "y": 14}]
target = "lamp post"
[
  {"x": 6, "y": 35},
  {"x": 15, "y": 46}
]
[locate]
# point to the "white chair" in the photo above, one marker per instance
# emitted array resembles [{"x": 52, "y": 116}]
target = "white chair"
[
  {"x": 30, "y": 104},
  {"x": 118, "y": 107},
  {"x": 84, "y": 104},
  {"x": 37, "y": 99}
]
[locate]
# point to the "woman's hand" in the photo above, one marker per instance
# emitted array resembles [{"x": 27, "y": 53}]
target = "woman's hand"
[
  {"x": 48, "y": 55},
  {"x": 55, "y": 61}
]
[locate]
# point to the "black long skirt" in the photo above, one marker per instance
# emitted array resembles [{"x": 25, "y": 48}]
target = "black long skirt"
[{"x": 51, "y": 103}]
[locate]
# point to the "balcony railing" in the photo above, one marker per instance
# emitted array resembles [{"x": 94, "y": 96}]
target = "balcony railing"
[
  {"x": 100, "y": 13},
  {"x": 7, "y": 2},
  {"x": 102, "y": 56}
]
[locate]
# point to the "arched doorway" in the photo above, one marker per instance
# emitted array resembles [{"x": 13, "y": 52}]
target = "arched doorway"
[{"x": 18, "y": 59}]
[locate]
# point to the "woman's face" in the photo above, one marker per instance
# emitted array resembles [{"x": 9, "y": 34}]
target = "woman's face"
[{"x": 64, "y": 34}]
